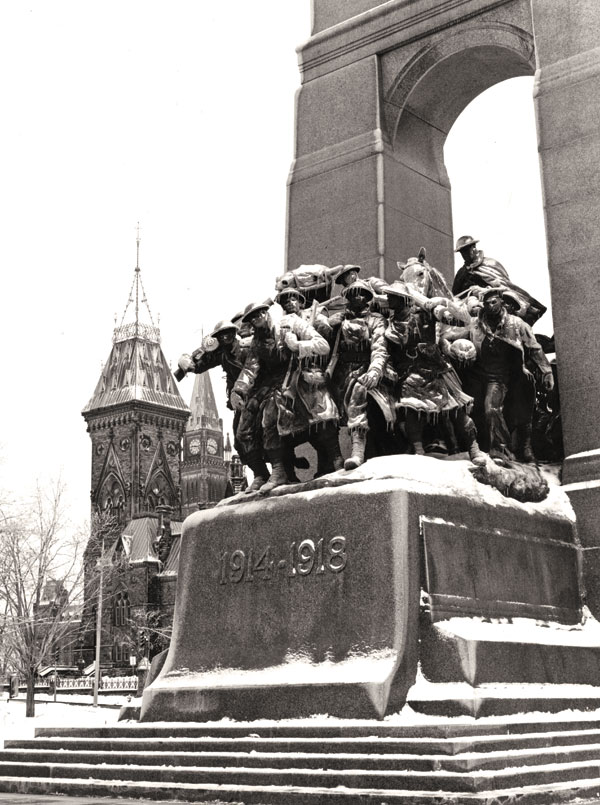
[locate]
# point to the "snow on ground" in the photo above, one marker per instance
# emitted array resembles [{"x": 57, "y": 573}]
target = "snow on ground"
[
  {"x": 81, "y": 713},
  {"x": 14, "y": 725},
  {"x": 524, "y": 630}
]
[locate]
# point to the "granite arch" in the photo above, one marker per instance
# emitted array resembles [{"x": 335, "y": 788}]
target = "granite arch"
[{"x": 382, "y": 83}]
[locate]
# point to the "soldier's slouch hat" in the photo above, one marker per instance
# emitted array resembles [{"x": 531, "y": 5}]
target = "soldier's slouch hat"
[{"x": 464, "y": 241}]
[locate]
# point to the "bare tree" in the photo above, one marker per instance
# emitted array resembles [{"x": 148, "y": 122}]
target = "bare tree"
[{"x": 41, "y": 574}]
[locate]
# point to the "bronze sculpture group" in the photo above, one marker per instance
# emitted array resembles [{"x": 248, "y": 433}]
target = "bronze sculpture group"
[{"x": 409, "y": 366}]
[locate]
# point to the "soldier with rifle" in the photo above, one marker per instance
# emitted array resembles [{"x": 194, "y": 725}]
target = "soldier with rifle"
[
  {"x": 306, "y": 408},
  {"x": 356, "y": 366},
  {"x": 258, "y": 391},
  {"x": 223, "y": 347}
]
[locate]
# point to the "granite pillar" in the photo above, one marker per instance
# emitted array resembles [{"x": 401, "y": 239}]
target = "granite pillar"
[{"x": 567, "y": 98}]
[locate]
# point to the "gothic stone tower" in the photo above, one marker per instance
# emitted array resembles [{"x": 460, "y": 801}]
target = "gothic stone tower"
[
  {"x": 136, "y": 418},
  {"x": 204, "y": 470}
]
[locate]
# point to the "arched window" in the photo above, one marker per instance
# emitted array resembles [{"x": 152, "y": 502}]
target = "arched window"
[
  {"x": 121, "y": 609},
  {"x": 112, "y": 498}
]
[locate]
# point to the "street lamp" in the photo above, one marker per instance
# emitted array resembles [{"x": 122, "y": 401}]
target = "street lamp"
[{"x": 103, "y": 563}]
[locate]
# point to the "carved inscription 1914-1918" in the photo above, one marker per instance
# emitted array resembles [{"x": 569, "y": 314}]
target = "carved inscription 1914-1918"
[{"x": 302, "y": 559}]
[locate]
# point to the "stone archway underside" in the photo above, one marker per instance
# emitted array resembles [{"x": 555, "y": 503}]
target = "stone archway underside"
[{"x": 421, "y": 105}]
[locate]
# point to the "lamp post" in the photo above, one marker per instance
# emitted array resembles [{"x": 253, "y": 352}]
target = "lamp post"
[
  {"x": 55, "y": 678},
  {"x": 142, "y": 670},
  {"x": 102, "y": 563}
]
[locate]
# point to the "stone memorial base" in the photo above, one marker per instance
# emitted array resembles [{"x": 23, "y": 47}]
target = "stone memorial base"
[{"x": 324, "y": 597}]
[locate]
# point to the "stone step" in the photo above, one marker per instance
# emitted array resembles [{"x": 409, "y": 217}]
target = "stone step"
[
  {"x": 444, "y": 728},
  {"x": 287, "y": 777},
  {"x": 418, "y": 746},
  {"x": 464, "y": 762},
  {"x": 482, "y": 703},
  {"x": 276, "y": 794},
  {"x": 447, "y": 781}
]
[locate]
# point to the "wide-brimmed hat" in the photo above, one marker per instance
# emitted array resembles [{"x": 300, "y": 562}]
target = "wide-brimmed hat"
[
  {"x": 224, "y": 324},
  {"x": 345, "y": 270},
  {"x": 464, "y": 241}
]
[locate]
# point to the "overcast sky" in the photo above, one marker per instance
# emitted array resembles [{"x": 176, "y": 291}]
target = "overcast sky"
[{"x": 178, "y": 115}]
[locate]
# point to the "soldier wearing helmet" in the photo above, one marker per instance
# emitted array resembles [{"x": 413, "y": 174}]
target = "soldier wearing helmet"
[
  {"x": 347, "y": 275},
  {"x": 223, "y": 347},
  {"x": 225, "y": 350},
  {"x": 294, "y": 302},
  {"x": 499, "y": 380},
  {"x": 258, "y": 391},
  {"x": 306, "y": 404},
  {"x": 479, "y": 271},
  {"x": 427, "y": 389},
  {"x": 356, "y": 366}
]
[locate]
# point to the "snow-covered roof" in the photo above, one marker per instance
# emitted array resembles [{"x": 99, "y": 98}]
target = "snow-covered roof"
[{"x": 136, "y": 371}]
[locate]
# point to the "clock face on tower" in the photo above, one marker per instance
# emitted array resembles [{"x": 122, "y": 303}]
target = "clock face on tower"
[
  {"x": 194, "y": 446},
  {"x": 212, "y": 446}
]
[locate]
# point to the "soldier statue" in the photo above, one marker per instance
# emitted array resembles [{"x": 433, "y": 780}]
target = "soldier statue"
[
  {"x": 229, "y": 351},
  {"x": 307, "y": 411},
  {"x": 347, "y": 275},
  {"x": 356, "y": 366},
  {"x": 428, "y": 389},
  {"x": 502, "y": 344},
  {"x": 484, "y": 272},
  {"x": 259, "y": 389}
]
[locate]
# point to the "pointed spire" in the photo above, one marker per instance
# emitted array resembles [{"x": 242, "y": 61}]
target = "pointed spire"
[
  {"x": 150, "y": 332},
  {"x": 137, "y": 280},
  {"x": 136, "y": 370},
  {"x": 203, "y": 405}
]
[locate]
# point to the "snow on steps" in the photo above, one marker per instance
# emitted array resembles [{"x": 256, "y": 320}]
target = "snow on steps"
[{"x": 533, "y": 760}]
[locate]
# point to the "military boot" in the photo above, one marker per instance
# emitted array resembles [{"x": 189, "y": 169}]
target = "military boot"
[
  {"x": 261, "y": 472},
  {"x": 289, "y": 462},
  {"x": 359, "y": 441},
  {"x": 279, "y": 476},
  {"x": 524, "y": 447},
  {"x": 476, "y": 454},
  {"x": 334, "y": 454},
  {"x": 327, "y": 445}
]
